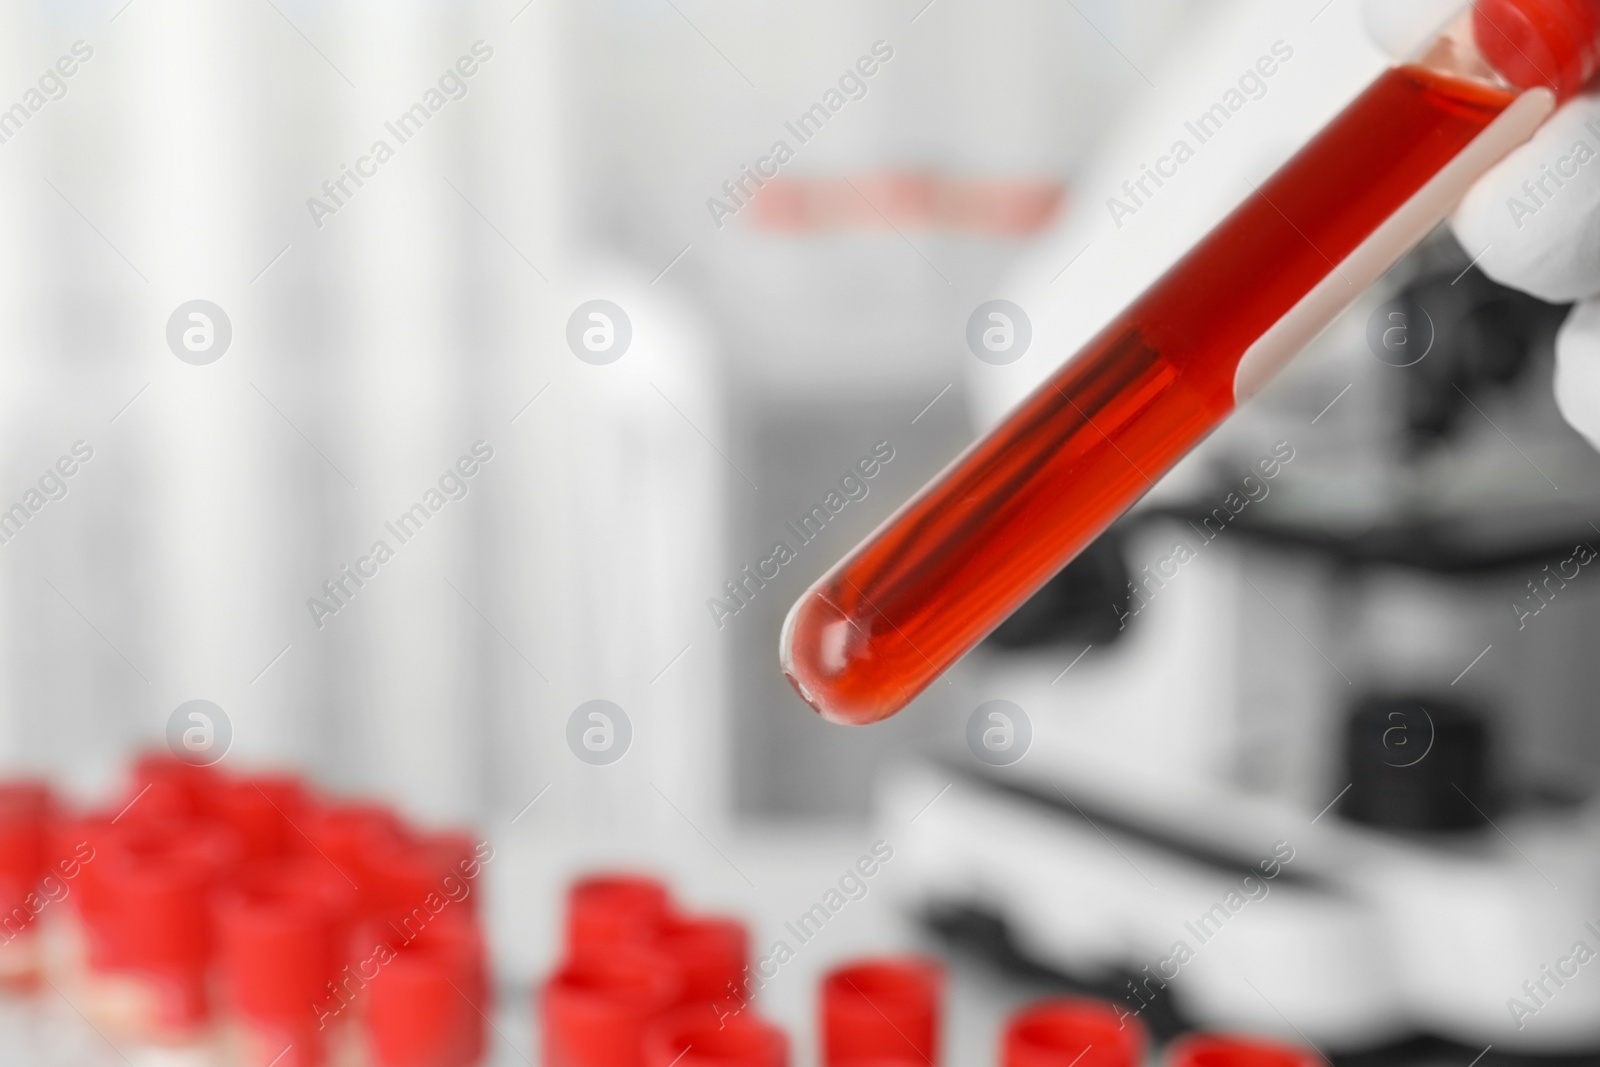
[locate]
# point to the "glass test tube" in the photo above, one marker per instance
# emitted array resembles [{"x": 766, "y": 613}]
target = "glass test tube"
[{"x": 1014, "y": 508}]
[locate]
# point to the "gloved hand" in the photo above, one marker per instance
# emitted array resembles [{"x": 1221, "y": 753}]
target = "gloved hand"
[{"x": 1534, "y": 220}]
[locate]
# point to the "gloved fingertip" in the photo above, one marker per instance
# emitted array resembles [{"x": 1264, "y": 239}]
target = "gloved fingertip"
[{"x": 1532, "y": 221}]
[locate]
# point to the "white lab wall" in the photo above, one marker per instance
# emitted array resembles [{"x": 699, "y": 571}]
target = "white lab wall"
[
  {"x": 368, "y": 354},
  {"x": 222, "y": 482}
]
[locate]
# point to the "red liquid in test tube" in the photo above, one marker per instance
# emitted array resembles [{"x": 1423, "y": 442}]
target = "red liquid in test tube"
[{"x": 981, "y": 538}]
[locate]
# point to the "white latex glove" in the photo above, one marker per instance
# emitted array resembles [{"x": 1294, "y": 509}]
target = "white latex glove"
[{"x": 1552, "y": 250}]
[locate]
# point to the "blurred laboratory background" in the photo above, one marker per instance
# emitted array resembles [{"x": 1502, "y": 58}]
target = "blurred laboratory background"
[{"x": 425, "y": 390}]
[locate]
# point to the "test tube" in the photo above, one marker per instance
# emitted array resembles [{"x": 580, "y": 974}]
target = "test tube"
[
  {"x": 428, "y": 1001},
  {"x": 1072, "y": 1030},
  {"x": 881, "y": 1008},
  {"x": 279, "y": 935},
  {"x": 1014, "y": 508}
]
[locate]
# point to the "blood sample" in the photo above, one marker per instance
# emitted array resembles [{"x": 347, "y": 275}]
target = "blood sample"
[
  {"x": 1014, "y": 508},
  {"x": 886, "y": 1008},
  {"x": 1072, "y": 1030},
  {"x": 1222, "y": 1050},
  {"x": 694, "y": 1037}
]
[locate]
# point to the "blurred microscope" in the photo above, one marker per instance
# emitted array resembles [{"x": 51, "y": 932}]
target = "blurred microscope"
[{"x": 1304, "y": 744}]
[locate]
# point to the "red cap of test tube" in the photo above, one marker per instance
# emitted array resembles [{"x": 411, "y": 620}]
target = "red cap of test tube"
[
  {"x": 165, "y": 787},
  {"x": 1553, "y": 43},
  {"x": 595, "y": 1009},
  {"x": 348, "y": 835},
  {"x": 606, "y": 910},
  {"x": 694, "y": 1037},
  {"x": 711, "y": 951},
  {"x": 882, "y": 1008},
  {"x": 279, "y": 934},
  {"x": 426, "y": 1003},
  {"x": 1223, "y": 1050},
  {"x": 1060, "y": 1032},
  {"x": 264, "y": 811}
]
